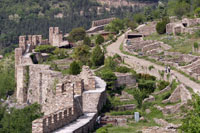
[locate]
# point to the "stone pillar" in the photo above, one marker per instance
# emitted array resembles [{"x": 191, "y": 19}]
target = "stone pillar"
[{"x": 51, "y": 32}]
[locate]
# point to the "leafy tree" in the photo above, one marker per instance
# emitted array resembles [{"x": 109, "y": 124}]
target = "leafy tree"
[
  {"x": 20, "y": 120},
  {"x": 109, "y": 77},
  {"x": 97, "y": 57},
  {"x": 139, "y": 18},
  {"x": 87, "y": 41},
  {"x": 197, "y": 12},
  {"x": 45, "y": 49},
  {"x": 191, "y": 122},
  {"x": 139, "y": 96},
  {"x": 82, "y": 54},
  {"x": 147, "y": 85},
  {"x": 60, "y": 53},
  {"x": 99, "y": 39},
  {"x": 115, "y": 26},
  {"x": 74, "y": 68},
  {"x": 161, "y": 26},
  {"x": 110, "y": 63},
  {"x": 77, "y": 34},
  {"x": 132, "y": 25}
]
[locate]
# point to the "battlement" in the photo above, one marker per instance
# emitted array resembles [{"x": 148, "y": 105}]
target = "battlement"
[{"x": 54, "y": 121}]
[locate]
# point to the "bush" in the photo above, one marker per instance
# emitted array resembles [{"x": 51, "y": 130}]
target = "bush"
[
  {"x": 74, "y": 68},
  {"x": 97, "y": 57},
  {"x": 166, "y": 95},
  {"x": 109, "y": 77},
  {"x": 122, "y": 69},
  {"x": 110, "y": 63},
  {"x": 162, "y": 84},
  {"x": 147, "y": 85},
  {"x": 145, "y": 77},
  {"x": 99, "y": 40},
  {"x": 45, "y": 49},
  {"x": 139, "y": 96},
  {"x": 196, "y": 45},
  {"x": 197, "y": 12},
  {"x": 161, "y": 27},
  {"x": 77, "y": 34},
  {"x": 60, "y": 53},
  {"x": 87, "y": 41}
]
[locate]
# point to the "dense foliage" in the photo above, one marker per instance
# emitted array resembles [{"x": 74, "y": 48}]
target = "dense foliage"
[
  {"x": 99, "y": 40},
  {"x": 74, "y": 68},
  {"x": 7, "y": 76},
  {"x": 45, "y": 48},
  {"x": 77, "y": 34},
  {"x": 97, "y": 57},
  {"x": 19, "y": 120},
  {"x": 191, "y": 122},
  {"x": 26, "y": 17}
]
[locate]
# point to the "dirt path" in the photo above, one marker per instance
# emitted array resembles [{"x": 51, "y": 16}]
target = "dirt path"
[{"x": 132, "y": 60}]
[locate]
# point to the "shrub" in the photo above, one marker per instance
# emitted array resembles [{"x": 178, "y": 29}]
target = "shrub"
[
  {"x": 97, "y": 57},
  {"x": 109, "y": 77},
  {"x": 102, "y": 130},
  {"x": 122, "y": 69},
  {"x": 151, "y": 67},
  {"x": 162, "y": 84},
  {"x": 145, "y": 77},
  {"x": 147, "y": 85},
  {"x": 110, "y": 63},
  {"x": 74, "y": 68},
  {"x": 87, "y": 41},
  {"x": 161, "y": 27},
  {"x": 45, "y": 49},
  {"x": 77, "y": 34},
  {"x": 197, "y": 12},
  {"x": 166, "y": 95},
  {"x": 99, "y": 40},
  {"x": 60, "y": 53},
  {"x": 196, "y": 45},
  {"x": 139, "y": 96}
]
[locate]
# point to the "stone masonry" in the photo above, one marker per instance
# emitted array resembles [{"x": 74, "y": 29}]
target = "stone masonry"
[{"x": 63, "y": 99}]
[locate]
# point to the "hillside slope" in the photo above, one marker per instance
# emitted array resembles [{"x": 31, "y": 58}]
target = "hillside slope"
[{"x": 35, "y": 17}]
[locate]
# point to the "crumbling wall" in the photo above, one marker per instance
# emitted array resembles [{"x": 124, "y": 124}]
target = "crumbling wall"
[
  {"x": 88, "y": 76},
  {"x": 125, "y": 79},
  {"x": 55, "y": 36}
]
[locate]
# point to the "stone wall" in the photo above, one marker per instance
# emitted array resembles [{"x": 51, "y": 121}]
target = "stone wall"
[
  {"x": 125, "y": 79},
  {"x": 89, "y": 79},
  {"x": 102, "y": 22}
]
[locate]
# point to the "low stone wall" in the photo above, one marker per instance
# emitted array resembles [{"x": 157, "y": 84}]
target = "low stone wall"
[
  {"x": 125, "y": 79},
  {"x": 54, "y": 121}
]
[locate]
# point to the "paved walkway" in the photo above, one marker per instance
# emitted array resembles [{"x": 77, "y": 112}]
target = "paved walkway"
[{"x": 115, "y": 48}]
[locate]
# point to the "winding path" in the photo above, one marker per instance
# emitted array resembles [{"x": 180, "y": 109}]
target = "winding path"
[{"x": 114, "y": 48}]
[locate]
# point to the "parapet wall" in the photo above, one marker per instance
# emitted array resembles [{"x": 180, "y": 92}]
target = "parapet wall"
[{"x": 102, "y": 22}]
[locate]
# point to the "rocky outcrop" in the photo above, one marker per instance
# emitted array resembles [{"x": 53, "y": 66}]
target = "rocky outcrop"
[{"x": 149, "y": 99}]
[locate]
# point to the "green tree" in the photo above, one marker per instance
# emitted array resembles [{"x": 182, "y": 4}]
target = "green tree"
[
  {"x": 139, "y": 96},
  {"x": 99, "y": 40},
  {"x": 161, "y": 26},
  {"x": 132, "y": 25},
  {"x": 139, "y": 18},
  {"x": 197, "y": 12},
  {"x": 77, "y": 34},
  {"x": 191, "y": 122},
  {"x": 87, "y": 41},
  {"x": 115, "y": 26},
  {"x": 60, "y": 53},
  {"x": 97, "y": 57},
  {"x": 109, "y": 77},
  {"x": 82, "y": 54},
  {"x": 74, "y": 68},
  {"x": 45, "y": 49},
  {"x": 110, "y": 63},
  {"x": 20, "y": 120}
]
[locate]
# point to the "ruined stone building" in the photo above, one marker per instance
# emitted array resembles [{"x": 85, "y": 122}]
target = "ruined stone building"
[
  {"x": 63, "y": 99},
  {"x": 184, "y": 26}
]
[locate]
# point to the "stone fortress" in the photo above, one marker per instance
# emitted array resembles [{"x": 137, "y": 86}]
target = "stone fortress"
[{"x": 69, "y": 103}]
